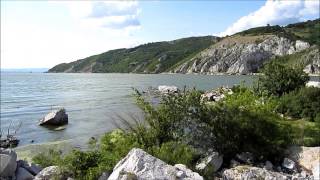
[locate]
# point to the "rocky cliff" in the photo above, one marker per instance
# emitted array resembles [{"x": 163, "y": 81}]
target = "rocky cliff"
[{"x": 241, "y": 54}]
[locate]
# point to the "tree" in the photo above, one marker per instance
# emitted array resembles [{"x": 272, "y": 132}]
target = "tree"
[{"x": 279, "y": 79}]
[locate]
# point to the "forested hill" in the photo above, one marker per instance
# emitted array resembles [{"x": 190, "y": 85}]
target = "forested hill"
[{"x": 242, "y": 53}]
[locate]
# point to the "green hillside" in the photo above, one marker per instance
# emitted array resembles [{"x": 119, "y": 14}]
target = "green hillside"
[{"x": 148, "y": 58}]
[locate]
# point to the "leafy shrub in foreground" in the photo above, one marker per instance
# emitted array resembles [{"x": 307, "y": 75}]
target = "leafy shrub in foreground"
[
  {"x": 279, "y": 79},
  {"x": 302, "y": 103}
]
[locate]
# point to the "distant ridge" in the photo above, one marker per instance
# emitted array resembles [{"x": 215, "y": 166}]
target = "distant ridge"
[
  {"x": 36, "y": 70},
  {"x": 242, "y": 53}
]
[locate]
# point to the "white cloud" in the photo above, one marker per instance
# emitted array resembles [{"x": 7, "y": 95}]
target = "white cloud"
[
  {"x": 276, "y": 12},
  {"x": 106, "y": 14}
]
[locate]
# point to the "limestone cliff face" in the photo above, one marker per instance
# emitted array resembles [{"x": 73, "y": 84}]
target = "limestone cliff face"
[
  {"x": 312, "y": 59},
  {"x": 240, "y": 54}
]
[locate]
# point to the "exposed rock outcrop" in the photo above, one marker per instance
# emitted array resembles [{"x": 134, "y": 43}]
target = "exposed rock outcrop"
[
  {"x": 140, "y": 165},
  {"x": 253, "y": 173},
  {"x": 240, "y": 54},
  {"x": 56, "y": 118}
]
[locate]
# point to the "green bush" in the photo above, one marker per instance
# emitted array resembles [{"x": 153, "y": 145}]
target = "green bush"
[
  {"x": 302, "y": 103},
  {"x": 279, "y": 79},
  {"x": 175, "y": 153},
  {"x": 48, "y": 158}
]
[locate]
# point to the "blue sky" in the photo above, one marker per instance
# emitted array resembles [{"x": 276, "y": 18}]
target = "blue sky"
[{"x": 45, "y": 33}]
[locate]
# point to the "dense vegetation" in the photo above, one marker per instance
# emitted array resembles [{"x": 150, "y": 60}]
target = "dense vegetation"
[
  {"x": 148, "y": 58},
  {"x": 279, "y": 79},
  {"x": 184, "y": 126},
  {"x": 307, "y": 31}
]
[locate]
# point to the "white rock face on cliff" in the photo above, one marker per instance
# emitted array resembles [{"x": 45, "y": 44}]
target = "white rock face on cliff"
[
  {"x": 140, "y": 165},
  {"x": 240, "y": 54}
]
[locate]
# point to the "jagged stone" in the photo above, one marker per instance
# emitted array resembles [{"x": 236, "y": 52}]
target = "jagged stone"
[
  {"x": 253, "y": 173},
  {"x": 8, "y": 163},
  {"x": 140, "y": 165},
  {"x": 210, "y": 163}
]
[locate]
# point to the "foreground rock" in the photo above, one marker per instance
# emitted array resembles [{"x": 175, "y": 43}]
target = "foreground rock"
[
  {"x": 211, "y": 163},
  {"x": 253, "y": 173},
  {"x": 168, "y": 89},
  {"x": 56, "y": 118},
  {"x": 51, "y": 172},
  {"x": 140, "y": 165},
  {"x": 8, "y": 163},
  {"x": 307, "y": 157}
]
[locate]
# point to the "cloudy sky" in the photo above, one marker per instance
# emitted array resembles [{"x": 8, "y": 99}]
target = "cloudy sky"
[{"x": 38, "y": 34}]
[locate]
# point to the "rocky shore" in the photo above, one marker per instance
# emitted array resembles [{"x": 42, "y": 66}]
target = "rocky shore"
[{"x": 300, "y": 163}]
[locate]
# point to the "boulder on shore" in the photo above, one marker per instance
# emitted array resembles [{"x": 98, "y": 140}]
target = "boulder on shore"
[
  {"x": 168, "y": 89},
  {"x": 141, "y": 165},
  {"x": 211, "y": 163},
  {"x": 56, "y": 118},
  {"x": 8, "y": 163},
  {"x": 307, "y": 157}
]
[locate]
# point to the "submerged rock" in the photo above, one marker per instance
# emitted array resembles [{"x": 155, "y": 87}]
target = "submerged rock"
[
  {"x": 141, "y": 165},
  {"x": 56, "y": 118}
]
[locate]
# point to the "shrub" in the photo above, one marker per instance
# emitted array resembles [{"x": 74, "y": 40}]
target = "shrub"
[
  {"x": 302, "y": 103},
  {"x": 279, "y": 79},
  {"x": 175, "y": 153},
  {"x": 48, "y": 158}
]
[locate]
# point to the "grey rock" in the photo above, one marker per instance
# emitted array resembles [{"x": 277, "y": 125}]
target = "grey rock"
[
  {"x": 104, "y": 176},
  {"x": 242, "y": 55},
  {"x": 51, "y": 172},
  {"x": 140, "y": 165},
  {"x": 268, "y": 166},
  {"x": 234, "y": 163},
  {"x": 245, "y": 157},
  {"x": 288, "y": 164},
  {"x": 31, "y": 167},
  {"x": 212, "y": 162},
  {"x": 8, "y": 163},
  {"x": 56, "y": 118},
  {"x": 23, "y": 174},
  {"x": 253, "y": 173}
]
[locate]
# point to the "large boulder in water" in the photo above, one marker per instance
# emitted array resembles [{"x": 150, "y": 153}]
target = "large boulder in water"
[
  {"x": 141, "y": 165},
  {"x": 8, "y": 163},
  {"x": 56, "y": 118}
]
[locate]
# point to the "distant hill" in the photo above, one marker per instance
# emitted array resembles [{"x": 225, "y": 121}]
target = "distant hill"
[
  {"x": 242, "y": 53},
  {"x": 25, "y": 70}
]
